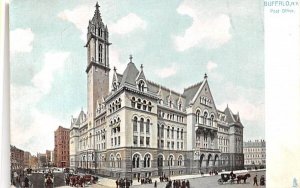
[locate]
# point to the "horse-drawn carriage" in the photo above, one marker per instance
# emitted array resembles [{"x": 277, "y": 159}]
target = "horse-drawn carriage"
[
  {"x": 232, "y": 178},
  {"x": 77, "y": 180}
]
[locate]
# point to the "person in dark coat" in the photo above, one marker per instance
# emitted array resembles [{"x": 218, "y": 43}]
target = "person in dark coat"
[
  {"x": 155, "y": 184},
  {"x": 255, "y": 180},
  {"x": 26, "y": 182}
]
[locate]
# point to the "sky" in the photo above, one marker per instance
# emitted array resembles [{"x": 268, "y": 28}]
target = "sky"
[{"x": 176, "y": 41}]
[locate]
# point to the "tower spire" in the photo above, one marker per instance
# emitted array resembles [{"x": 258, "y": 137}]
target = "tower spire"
[{"x": 97, "y": 14}]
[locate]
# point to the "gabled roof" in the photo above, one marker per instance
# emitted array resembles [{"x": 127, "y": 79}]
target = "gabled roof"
[
  {"x": 232, "y": 118},
  {"x": 190, "y": 92},
  {"x": 141, "y": 76},
  {"x": 130, "y": 74},
  {"x": 80, "y": 118}
]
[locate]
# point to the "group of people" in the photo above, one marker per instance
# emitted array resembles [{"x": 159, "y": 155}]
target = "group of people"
[
  {"x": 163, "y": 178},
  {"x": 178, "y": 184},
  {"x": 145, "y": 180},
  {"x": 214, "y": 172},
  {"x": 123, "y": 183},
  {"x": 261, "y": 181}
]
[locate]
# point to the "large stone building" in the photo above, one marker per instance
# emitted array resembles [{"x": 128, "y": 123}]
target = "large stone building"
[
  {"x": 140, "y": 128},
  {"x": 255, "y": 154},
  {"x": 61, "y": 147}
]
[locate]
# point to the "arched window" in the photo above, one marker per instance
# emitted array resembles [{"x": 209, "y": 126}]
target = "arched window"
[
  {"x": 168, "y": 131},
  {"x": 100, "y": 52},
  {"x": 149, "y": 106},
  {"x": 147, "y": 161},
  {"x": 142, "y": 125},
  {"x": 179, "y": 106},
  {"x": 148, "y": 126},
  {"x": 205, "y": 118},
  {"x": 133, "y": 102},
  {"x": 158, "y": 128},
  {"x": 162, "y": 131},
  {"x": 180, "y": 161},
  {"x": 160, "y": 160},
  {"x": 139, "y": 104},
  {"x": 181, "y": 136},
  {"x": 172, "y": 133},
  {"x": 144, "y": 105},
  {"x": 136, "y": 161},
  {"x": 198, "y": 116},
  {"x": 170, "y": 160},
  {"x": 135, "y": 124},
  {"x": 113, "y": 106},
  {"x": 112, "y": 161},
  {"x": 141, "y": 85},
  {"x": 212, "y": 117},
  {"x": 118, "y": 161}
]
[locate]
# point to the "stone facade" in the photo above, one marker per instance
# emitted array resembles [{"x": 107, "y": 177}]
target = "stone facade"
[
  {"x": 255, "y": 154},
  {"x": 140, "y": 128},
  {"x": 61, "y": 149}
]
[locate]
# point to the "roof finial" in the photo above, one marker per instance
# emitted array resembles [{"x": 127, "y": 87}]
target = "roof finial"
[
  {"x": 130, "y": 58},
  {"x": 142, "y": 66},
  {"x": 205, "y": 76},
  {"x": 115, "y": 69},
  {"x": 97, "y": 6}
]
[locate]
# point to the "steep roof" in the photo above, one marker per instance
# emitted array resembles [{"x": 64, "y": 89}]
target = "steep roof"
[
  {"x": 190, "y": 92},
  {"x": 232, "y": 118},
  {"x": 130, "y": 74}
]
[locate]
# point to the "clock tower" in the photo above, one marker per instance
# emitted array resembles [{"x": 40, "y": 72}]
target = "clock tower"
[{"x": 97, "y": 62}]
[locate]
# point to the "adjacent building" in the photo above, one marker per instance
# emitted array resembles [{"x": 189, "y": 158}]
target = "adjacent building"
[
  {"x": 27, "y": 157},
  {"x": 42, "y": 159},
  {"x": 61, "y": 149},
  {"x": 33, "y": 162},
  {"x": 255, "y": 154},
  {"x": 17, "y": 159},
  {"x": 134, "y": 127}
]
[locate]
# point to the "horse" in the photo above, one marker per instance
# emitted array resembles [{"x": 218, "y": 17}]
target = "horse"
[{"x": 243, "y": 177}]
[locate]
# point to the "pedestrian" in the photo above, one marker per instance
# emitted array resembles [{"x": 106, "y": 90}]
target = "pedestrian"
[
  {"x": 155, "y": 184},
  {"x": 262, "y": 180},
  {"x": 255, "y": 180},
  {"x": 117, "y": 183},
  {"x": 26, "y": 182}
]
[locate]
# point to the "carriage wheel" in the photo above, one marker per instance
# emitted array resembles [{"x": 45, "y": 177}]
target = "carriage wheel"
[
  {"x": 232, "y": 181},
  {"x": 220, "y": 181}
]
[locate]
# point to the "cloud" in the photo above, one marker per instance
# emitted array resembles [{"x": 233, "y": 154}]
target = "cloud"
[
  {"x": 80, "y": 17},
  {"x": 21, "y": 40},
  {"x": 167, "y": 71},
  {"x": 31, "y": 127},
  {"x": 248, "y": 110},
  {"x": 211, "y": 65},
  {"x": 208, "y": 30},
  {"x": 127, "y": 24},
  {"x": 53, "y": 62}
]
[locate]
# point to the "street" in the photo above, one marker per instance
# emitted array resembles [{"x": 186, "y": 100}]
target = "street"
[
  {"x": 37, "y": 179},
  {"x": 211, "y": 182}
]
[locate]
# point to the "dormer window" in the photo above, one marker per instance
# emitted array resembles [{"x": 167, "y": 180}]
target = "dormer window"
[
  {"x": 115, "y": 86},
  {"x": 141, "y": 85},
  {"x": 179, "y": 106}
]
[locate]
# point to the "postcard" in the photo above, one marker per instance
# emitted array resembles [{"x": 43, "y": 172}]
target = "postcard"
[{"x": 137, "y": 93}]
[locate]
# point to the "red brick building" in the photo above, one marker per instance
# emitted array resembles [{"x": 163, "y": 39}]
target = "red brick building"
[
  {"x": 61, "y": 147},
  {"x": 17, "y": 159}
]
